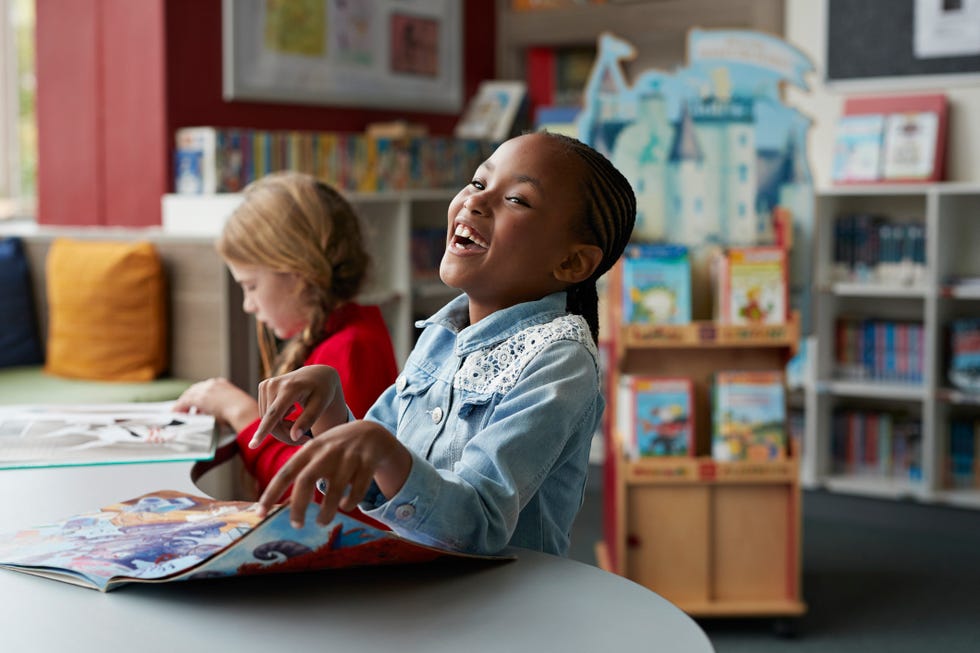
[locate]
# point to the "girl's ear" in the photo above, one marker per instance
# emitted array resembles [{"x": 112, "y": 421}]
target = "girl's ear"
[{"x": 579, "y": 265}]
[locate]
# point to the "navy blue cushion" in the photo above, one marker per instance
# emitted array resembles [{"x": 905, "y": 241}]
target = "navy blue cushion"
[{"x": 20, "y": 343}]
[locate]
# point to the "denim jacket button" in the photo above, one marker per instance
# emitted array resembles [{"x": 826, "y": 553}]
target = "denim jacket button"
[
  {"x": 401, "y": 383},
  {"x": 405, "y": 511},
  {"x": 436, "y": 415}
]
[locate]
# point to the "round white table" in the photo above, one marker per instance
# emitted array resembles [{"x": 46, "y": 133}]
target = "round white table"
[{"x": 537, "y": 602}]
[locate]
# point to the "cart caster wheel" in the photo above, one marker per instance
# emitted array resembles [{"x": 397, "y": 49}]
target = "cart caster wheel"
[{"x": 784, "y": 627}]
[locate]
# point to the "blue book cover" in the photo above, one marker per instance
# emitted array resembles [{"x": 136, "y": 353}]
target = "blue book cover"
[
  {"x": 857, "y": 148},
  {"x": 662, "y": 416},
  {"x": 656, "y": 284}
]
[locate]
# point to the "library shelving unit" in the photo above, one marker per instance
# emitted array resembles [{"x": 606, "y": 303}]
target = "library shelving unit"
[
  {"x": 950, "y": 215},
  {"x": 718, "y": 539},
  {"x": 388, "y": 219}
]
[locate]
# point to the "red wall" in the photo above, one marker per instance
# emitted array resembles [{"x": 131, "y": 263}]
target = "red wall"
[{"x": 117, "y": 77}]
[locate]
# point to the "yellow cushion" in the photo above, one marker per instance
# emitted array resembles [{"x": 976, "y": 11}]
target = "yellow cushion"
[{"x": 106, "y": 311}]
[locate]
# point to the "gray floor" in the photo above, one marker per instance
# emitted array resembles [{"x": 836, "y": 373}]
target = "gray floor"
[{"x": 877, "y": 576}]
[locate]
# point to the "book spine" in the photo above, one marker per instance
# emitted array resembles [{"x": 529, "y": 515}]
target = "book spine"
[{"x": 195, "y": 161}]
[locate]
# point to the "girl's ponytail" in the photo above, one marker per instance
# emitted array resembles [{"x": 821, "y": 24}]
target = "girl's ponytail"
[{"x": 610, "y": 212}]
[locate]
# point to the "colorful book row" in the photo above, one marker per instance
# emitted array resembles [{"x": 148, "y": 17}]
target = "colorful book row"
[
  {"x": 750, "y": 285},
  {"x": 870, "y": 248},
  {"x": 748, "y": 414},
  {"x": 224, "y": 160},
  {"x": 877, "y": 443},
  {"x": 879, "y": 350}
]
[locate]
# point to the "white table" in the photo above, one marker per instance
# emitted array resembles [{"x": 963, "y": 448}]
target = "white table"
[{"x": 536, "y": 603}]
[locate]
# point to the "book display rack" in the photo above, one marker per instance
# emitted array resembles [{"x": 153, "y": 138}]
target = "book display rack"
[
  {"x": 717, "y": 538},
  {"x": 880, "y": 410}
]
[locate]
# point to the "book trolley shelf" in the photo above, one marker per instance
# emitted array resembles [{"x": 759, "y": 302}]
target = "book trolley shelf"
[{"x": 718, "y": 539}]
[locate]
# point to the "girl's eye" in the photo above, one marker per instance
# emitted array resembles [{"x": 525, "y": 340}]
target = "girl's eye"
[
  {"x": 477, "y": 184},
  {"x": 518, "y": 200}
]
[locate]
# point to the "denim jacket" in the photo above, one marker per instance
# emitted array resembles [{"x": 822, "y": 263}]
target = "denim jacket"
[{"x": 499, "y": 417}]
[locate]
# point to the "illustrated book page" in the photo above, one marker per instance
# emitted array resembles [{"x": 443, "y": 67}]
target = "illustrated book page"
[
  {"x": 656, "y": 284},
  {"x": 749, "y": 416},
  {"x": 168, "y": 536},
  {"x": 857, "y": 149},
  {"x": 660, "y": 415},
  {"x": 52, "y": 435}
]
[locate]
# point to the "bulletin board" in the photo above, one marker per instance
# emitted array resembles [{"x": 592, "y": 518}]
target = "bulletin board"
[
  {"x": 386, "y": 54},
  {"x": 873, "y": 39}
]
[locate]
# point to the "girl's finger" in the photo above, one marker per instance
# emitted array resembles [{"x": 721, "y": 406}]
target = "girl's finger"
[
  {"x": 272, "y": 416},
  {"x": 358, "y": 488},
  {"x": 282, "y": 480}
]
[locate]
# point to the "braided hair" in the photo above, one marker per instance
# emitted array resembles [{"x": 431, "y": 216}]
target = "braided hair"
[
  {"x": 609, "y": 215},
  {"x": 291, "y": 222}
]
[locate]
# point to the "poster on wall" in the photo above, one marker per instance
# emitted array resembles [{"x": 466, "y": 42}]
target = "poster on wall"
[{"x": 391, "y": 54}]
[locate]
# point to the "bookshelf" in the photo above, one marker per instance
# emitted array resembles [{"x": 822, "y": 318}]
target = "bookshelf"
[
  {"x": 949, "y": 214},
  {"x": 718, "y": 539},
  {"x": 388, "y": 219},
  {"x": 658, "y": 28}
]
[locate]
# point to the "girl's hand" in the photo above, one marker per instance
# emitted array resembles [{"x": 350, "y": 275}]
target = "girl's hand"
[
  {"x": 347, "y": 457},
  {"x": 316, "y": 388},
  {"x": 221, "y": 398}
]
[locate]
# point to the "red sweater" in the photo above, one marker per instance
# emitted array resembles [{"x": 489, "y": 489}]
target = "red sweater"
[{"x": 359, "y": 348}]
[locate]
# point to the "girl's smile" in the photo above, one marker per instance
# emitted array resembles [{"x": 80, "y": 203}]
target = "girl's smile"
[{"x": 467, "y": 240}]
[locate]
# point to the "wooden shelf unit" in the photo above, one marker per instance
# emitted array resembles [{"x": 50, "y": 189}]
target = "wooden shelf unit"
[{"x": 718, "y": 539}]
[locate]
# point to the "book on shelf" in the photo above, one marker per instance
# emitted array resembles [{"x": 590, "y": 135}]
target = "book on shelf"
[
  {"x": 910, "y": 146},
  {"x": 869, "y": 349},
  {"x": 99, "y": 434},
  {"x": 913, "y": 136},
  {"x": 224, "y": 160},
  {"x": 751, "y": 285},
  {"x": 748, "y": 411},
  {"x": 876, "y": 249},
  {"x": 656, "y": 284},
  {"x": 857, "y": 148},
  {"x": 964, "y": 348},
  {"x": 657, "y": 414},
  {"x": 876, "y": 443},
  {"x": 494, "y": 113},
  {"x": 963, "y": 455},
  {"x": 167, "y": 536}
]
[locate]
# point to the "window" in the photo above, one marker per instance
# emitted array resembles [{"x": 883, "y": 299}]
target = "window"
[{"x": 18, "y": 124}]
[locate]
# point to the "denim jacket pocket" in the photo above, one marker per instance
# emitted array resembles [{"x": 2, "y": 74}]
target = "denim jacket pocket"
[
  {"x": 411, "y": 384},
  {"x": 473, "y": 407}
]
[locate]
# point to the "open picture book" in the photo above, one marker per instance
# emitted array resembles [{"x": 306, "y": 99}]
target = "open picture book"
[
  {"x": 52, "y": 435},
  {"x": 169, "y": 536}
]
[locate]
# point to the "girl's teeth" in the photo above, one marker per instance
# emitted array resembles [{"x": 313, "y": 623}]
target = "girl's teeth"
[{"x": 464, "y": 232}]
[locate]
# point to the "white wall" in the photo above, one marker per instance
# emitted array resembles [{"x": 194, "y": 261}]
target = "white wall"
[{"x": 806, "y": 29}]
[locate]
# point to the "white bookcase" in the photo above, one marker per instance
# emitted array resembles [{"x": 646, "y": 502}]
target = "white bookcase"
[
  {"x": 388, "y": 220},
  {"x": 950, "y": 214}
]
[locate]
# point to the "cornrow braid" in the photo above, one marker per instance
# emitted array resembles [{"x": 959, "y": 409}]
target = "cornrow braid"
[{"x": 610, "y": 212}]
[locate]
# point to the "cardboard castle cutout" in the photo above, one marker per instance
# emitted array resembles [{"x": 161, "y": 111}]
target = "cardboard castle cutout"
[{"x": 710, "y": 149}]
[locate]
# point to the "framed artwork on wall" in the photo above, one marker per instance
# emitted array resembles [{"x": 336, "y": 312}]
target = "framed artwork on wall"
[{"x": 384, "y": 54}]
